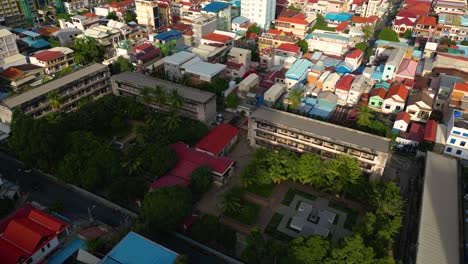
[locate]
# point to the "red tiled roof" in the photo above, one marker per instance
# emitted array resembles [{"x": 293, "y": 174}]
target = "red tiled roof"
[
  {"x": 372, "y": 19},
  {"x": 194, "y": 10},
  {"x": 92, "y": 232},
  {"x": 431, "y": 131},
  {"x": 274, "y": 31},
  {"x": 342, "y": 26},
  {"x": 181, "y": 27},
  {"x": 406, "y": 13},
  {"x": 292, "y": 20},
  {"x": 47, "y": 55},
  {"x": 313, "y": 1},
  {"x": 90, "y": 15},
  {"x": 149, "y": 55},
  {"x": 252, "y": 35},
  {"x": 427, "y": 20},
  {"x": 233, "y": 65},
  {"x": 405, "y": 116},
  {"x": 189, "y": 33},
  {"x": 397, "y": 89},
  {"x": 12, "y": 73},
  {"x": 452, "y": 56},
  {"x": 289, "y": 47},
  {"x": 380, "y": 92},
  {"x": 359, "y": 19},
  {"x": 218, "y": 138},
  {"x": 403, "y": 21},
  {"x": 217, "y": 38},
  {"x": 461, "y": 87},
  {"x": 168, "y": 180},
  {"x": 359, "y": 2},
  {"x": 142, "y": 47},
  {"x": 416, "y": 132},
  {"x": 354, "y": 54},
  {"x": 345, "y": 82},
  {"x": 120, "y": 4},
  {"x": 163, "y": 5}
]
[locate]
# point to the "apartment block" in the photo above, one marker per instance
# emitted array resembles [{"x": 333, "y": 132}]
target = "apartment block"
[
  {"x": 457, "y": 135},
  {"x": 8, "y": 45},
  {"x": 91, "y": 81},
  {"x": 199, "y": 105},
  {"x": 147, "y": 12},
  {"x": 330, "y": 42},
  {"x": 457, "y": 7},
  {"x": 261, "y": 12},
  {"x": 276, "y": 129},
  {"x": 203, "y": 25},
  {"x": 222, "y": 11},
  {"x": 297, "y": 25},
  {"x": 274, "y": 38},
  {"x": 455, "y": 26},
  {"x": 53, "y": 60}
]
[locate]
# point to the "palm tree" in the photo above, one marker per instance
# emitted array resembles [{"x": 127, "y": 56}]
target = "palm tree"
[
  {"x": 140, "y": 132},
  {"x": 172, "y": 121},
  {"x": 133, "y": 166},
  {"x": 231, "y": 204},
  {"x": 147, "y": 95},
  {"x": 54, "y": 100},
  {"x": 364, "y": 116},
  {"x": 176, "y": 101},
  {"x": 368, "y": 31},
  {"x": 295, "y": 98},
  {"x": 159, "y": 96}
]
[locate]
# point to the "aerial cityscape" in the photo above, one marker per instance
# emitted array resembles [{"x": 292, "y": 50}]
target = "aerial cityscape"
[{"x": 233, "y": 131}]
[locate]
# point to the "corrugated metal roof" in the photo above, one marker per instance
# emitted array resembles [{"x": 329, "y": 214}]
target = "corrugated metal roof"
[{"x": 438, "y": 240}]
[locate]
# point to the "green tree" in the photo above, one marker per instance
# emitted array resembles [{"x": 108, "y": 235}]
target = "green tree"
[
  {"x": 157, "y": 159},
  {"x": 129, "y": 17},
  {"x": 309, "y": 169},
  {"x": 261, "y": 250},
  {"x": 64, "y": 71},
  {"x": 54, "y": 100},
  {"x": 447, "y": 41},
  {"x": 351, "y": 251},
  {"x": 176, "y": 101},
  {"x": 386, "y": 199},
  {"x": 389, "y": 35},
  {"x": 408, "y": 34},
  {"x": 121, "y": 64},
  {"x": 87, "y": 50},
  {"x": 321, "y": 24},
  {"x": 368, "y": 30},
  {"x": 464, "y": 42},
  {"x": 147, "y": 95},
  {"x": 181, "y": 259},
  {"x": 312, "y": 250},
  {"x": 201, "y": 179},
  {"x": 232, "y": 101},
  {"x": 126, "y": 190},
  {"x": 205, "y": 229},
  {"x": 294, "y": 98},
  {"x": 232, "y": 202},
  {"x": 254, "y": 29},
  {"x": 364, "y": 117},
  {"x": 361, "y": 46},
  {"x": 165, "y": 208},
  {"x": 304, "y": 45},
  {"x": 292, "y": 7},
  {"x": 112, "y": 15},
  {"x": 53, "y": 42},
  {"x": 172, "y": 121}
]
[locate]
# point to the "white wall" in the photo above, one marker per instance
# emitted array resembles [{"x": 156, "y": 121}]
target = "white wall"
[{"x": 40, "y": 255}]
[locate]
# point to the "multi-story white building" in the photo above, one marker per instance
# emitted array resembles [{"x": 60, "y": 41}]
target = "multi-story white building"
[
  {"x": 261, "y": 12},
  {"x": 331, "y": 42},
  {"x": 8, "y": 45},
  {"x": 147, "y": 13},
  {"x": 374, "y": 8},
  {"x": 457, "y": 135},
  {"x": 281, "y": 130}
]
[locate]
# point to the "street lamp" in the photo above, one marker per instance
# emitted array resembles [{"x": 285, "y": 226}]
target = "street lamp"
[{"x": 91, "y": 219}]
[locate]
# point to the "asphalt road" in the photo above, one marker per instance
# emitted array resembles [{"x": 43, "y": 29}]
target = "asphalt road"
[{"x": 47, "y": 192}]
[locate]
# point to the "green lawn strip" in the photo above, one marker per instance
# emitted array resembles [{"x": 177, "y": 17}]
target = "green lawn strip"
[
  {"x": 289, "y": 196},
  {"x": 261, "y": 190},
  {"x": 248, "y": 215}
]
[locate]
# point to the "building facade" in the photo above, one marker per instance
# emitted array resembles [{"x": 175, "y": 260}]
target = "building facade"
[
  {"x": 8, "y": 45},
  {"x": 261, "y": 12},
  {"x": 198, "y": 104},
  {"x": 147, "y": 13},
  {"x": 277, "y": 129},
  {"x": 457, "y": 135},
  {"x": 53, "y": 60},
  {"x": 91, "y": 81}
]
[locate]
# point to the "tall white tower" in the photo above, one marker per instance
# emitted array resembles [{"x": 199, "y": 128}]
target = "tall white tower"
[{"x": 261, "y": 12}]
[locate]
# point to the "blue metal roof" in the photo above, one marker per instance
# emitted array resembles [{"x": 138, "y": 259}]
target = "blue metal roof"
[
  {"x": 342, "y": 16},
  {"x": 235, "y": 3},
  {"x": 417, "y": 54},
  {"x": 168, "y": 35},
  {"x": 377, "y": 73},
  {"x": 240, "y": 20},
  {"x": 344, "y": 67},
  {"x": 30, "y": 34},
  {"x": 67, "y": 251},
  {"x": 298, "y": 69},
  {"x": 330, "y": 62},
  {"x": 37, "y": 44},
  {"x": 135, "y": 249},
  {"x": 215, "y": 7}
]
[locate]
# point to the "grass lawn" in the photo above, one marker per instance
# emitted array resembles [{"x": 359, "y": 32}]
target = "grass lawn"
[
  {"x": 351, "y": 215},
  {"x": 289, "y": 196},
  {"x": 261, "y": 190},
  {"x": 248, "y": 215}
]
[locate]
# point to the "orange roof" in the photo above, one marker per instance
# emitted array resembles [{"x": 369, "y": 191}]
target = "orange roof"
[
  {"x": 430, "y": 132},
  {"x": 359, "y": 19},
  {"x": 380, "y": 92},
  {"x": 405, "y": 116},
  {"x": 342, "y": 26},
  {"x": 120, "y": 4},
  {"x": 354, "y": 54},
  {"x": 12, "y": 73},
  {"x": 47, "y": 30},
  {"x": 292, "y": 20},
  {"x": 90, "y": 15},
  {"x": 47, "y": 55},
  {"x": 427, "y": 20},
  {"x": 217, "y": 37},
  {"x": 461, "y": 87},
  {"x": 289, "y": 47},
  {"x": 397, "y": 89}
]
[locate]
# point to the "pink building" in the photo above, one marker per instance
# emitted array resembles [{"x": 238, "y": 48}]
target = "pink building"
[{"x": 406, "y": 72}]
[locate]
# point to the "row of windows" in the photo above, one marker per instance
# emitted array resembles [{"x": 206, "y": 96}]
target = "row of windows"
[
  {"x": 462, "y": 142},
  {"x": 455, "y": 132},
  {"x": 458, "y": 152}
]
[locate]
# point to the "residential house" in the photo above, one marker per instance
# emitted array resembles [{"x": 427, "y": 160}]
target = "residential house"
[
  {"x": 456, "y": 7},
  {"x": 146, "y": 53},
  {"x": 354, "y": 58},
  {"x": 322, "y": 79},
  {"x": 167, "y": 36},
  {"x": 393, "y": 63},
  {"x": 239, "y": 23},
  {"x": 419, "y": 106},
  {"x": 8, "y": 45},
  {"x": 273, "y": 94},
  {"x": 376, "y": 8},
  {"x": 147, "y": 13},
  {"x": 219, "y": 141},
  {"x": 456, "y": 26},
  {"x": 395, "y": 99},
  {"x": 91, "y": 81},
  {"x": 274, "y": 38},
  {"x": 219, "y": 38},
  {"x": 357, "y": 88},
  {"x": 402, "y": 25},
  {"x": 136, "y": 249},
  {"x": 377, "y": 98},
  {"x": 104, "y": 35},
  {"x": 23, "y": 76},
  {"x": 29, "y": 235},
  {"x": 459, "y": 97},
  {"x": 323, "y": 105},
  {"x": 66, "y": 36},
  {"x": 330, "y": 42},
  {"x": 173, "y": 63},
  {"x": 425, "y": 26},
  {"x": 284, "y": 51},
  {"x": 209, "y": 53},
  {"x": 116, "y": 7},
  {"x": 402, "y": 122},
  {"x": 297, "y": 25},
  {"x": 200, "y": 71},
  {"x": 358, "y": 7},
  {"x": 202, "y": 25},
  {"x": 406, "y": 72},
  {"x": 330, "y": 83},
  {"x": 71, "y": 6},
  {"x": 360, "y": 21},
  {"x": 457, "y": 135},
  {"x": 198, "y": 105},
  {"x": 446, "y": 84},
  {"x": 80, "y": 22},
  {"x": 238, "y": 62},
  {"x": 164, "y": 16},
  {"x": 298, "y": 72},
  {"x": 222, "y": 11},
  {"x": 53, "y": 60},
  {"x": 342, "y": 88},
  {"x": 335, "y": 18},
  {"x": 278, "y": 129},
  {"x": 317, "y": 7}
]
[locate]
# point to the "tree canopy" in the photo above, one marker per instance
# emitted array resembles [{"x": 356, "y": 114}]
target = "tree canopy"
[
  {"x": 321, "y": 24},
  {"x": 87, "y": 50},
  {"x": 165, "y": 208},
  {"x": 389, "y": 35},
  {"x": 408, "y": 34},
  {"x": 361, "y": 46},
  {"x": 304, "y": 45},
  {"x": 121, "y": 64},
  {"x": 112, "y": 15},
  {"x": 129, "y": 17},
  {"x": 201, "y": 179}
]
